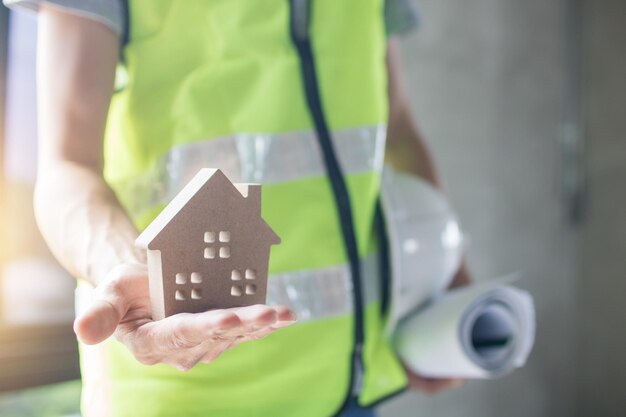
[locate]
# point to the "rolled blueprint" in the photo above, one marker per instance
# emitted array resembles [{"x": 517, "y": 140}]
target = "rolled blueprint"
[{"x": 480, "y": 331}]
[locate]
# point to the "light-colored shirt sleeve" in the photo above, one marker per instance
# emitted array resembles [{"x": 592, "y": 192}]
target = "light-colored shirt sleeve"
[
  {"x": 400, "y": 15},
  {"x": 108, "y": 12}
]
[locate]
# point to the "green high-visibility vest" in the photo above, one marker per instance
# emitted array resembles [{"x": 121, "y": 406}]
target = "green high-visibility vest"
[{"x": 292, "y": 95}]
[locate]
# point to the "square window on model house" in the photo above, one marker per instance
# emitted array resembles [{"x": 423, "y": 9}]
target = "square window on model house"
[
  {"x": 209, "y": 253},
  {"x": 209, "y": 237},
  {"x": 224, "y": 236},
  {"x": 235, "y": 275},
  {"x": 181, "y": 278}
]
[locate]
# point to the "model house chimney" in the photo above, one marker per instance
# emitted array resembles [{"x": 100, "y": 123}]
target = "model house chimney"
[{"x": 252, "y": 193}]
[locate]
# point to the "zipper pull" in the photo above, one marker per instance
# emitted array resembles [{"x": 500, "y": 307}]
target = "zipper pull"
[{"x": 357, "y": 370}]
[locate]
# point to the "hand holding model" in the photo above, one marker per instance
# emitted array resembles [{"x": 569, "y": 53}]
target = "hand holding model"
[{"x": 121, "y": 307}]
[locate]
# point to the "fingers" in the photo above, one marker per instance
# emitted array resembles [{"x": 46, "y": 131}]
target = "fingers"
[
  {"x": 259, "y": 316},
  {"x": 184, "y": 339},
  {"x": 433, "y": 386},
  {"x": 172, "y": 339},
  {"x": 189, "y": 330},
  {"x": 111, "y": 302},
  {"x": 285, "y": 317},
  {"x": 256, "y": 317}
]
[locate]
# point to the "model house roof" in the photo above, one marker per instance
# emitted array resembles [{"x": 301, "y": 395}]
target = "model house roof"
[{"x": 249, "y": 193}]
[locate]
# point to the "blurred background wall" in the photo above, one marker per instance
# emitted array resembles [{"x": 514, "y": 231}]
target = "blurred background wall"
[
  {"x": 504, "y": 91},
  {"x": 602, "y": 339}
]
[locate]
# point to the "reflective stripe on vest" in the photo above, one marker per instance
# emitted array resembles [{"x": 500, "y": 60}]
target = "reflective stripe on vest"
[
  {"x": 253, "y": 158},
  {"x": 322, "y": 293}
]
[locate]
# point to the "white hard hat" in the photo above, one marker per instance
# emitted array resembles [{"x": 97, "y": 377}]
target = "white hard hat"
[{"x": 425, "y": 241}]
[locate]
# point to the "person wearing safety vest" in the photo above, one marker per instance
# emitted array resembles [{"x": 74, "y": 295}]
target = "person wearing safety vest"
[{"x": 302, "y": 96}]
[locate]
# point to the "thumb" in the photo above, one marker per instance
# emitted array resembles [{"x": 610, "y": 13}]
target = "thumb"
[
  {"x": 98, "y": 322},
  {"x": 110, "y": 304}
]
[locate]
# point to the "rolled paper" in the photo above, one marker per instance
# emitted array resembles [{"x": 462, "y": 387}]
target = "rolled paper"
[{"x": 480, "y": 331}]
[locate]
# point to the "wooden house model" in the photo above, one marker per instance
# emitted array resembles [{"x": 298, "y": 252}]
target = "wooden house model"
[{"x": 209, "y": 248}]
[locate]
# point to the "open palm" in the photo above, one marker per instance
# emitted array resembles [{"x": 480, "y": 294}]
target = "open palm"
[{"x": 122, "y": 308}]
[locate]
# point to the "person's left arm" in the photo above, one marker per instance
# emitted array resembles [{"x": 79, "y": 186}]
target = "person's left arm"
[{"x": 406, "y": 151}]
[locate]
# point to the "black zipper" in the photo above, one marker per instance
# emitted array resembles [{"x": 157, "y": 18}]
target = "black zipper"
[
  {"x": 384, "y": 263},
  {"x": 300, "y": 23},
  {"x": 125, "y": 35}
]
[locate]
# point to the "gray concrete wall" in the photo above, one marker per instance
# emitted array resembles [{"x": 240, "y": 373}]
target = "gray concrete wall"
[
  {"x": 602, "y": 387},
  {"x": 488, "y": 84}
]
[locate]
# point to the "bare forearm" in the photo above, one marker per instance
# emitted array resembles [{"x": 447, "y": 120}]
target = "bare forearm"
[
  {"x": 78, "y": 214},
  {"x": 82, "y": 221},
  {"x": 406, "y": 150}
]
